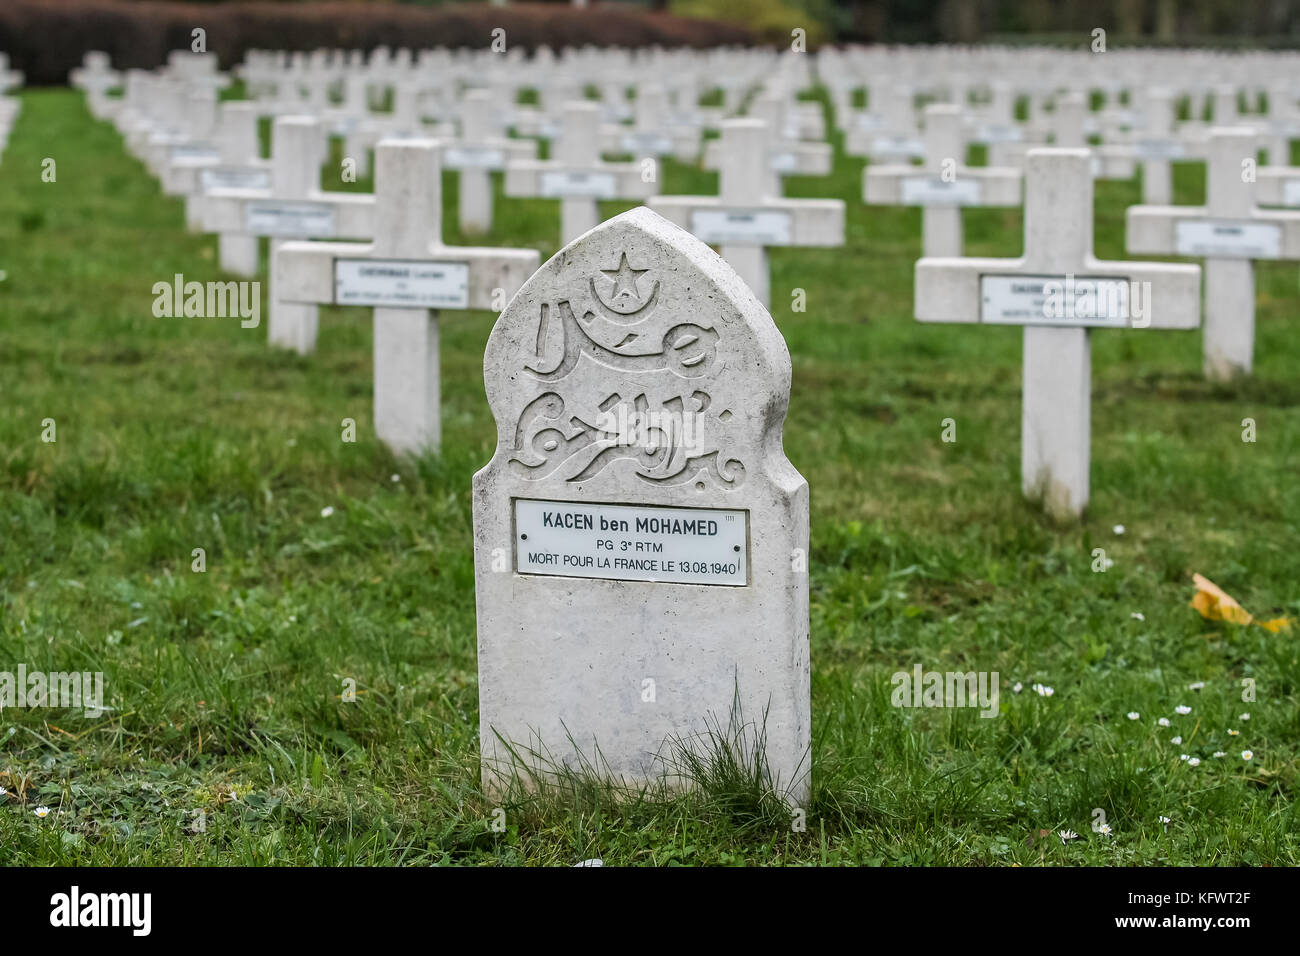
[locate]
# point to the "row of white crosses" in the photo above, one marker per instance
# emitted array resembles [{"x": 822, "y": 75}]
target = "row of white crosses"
[
  {"x": 944, "y": 185},
  {"x": 1229, "y": 232},
  {"x": 294, "y": 207},
  {"x": 577, "y": 176},
  {"x": 408, "y": 277},
  {"x": 745, "y": 218},
  {"x": 242, "y": 206}
]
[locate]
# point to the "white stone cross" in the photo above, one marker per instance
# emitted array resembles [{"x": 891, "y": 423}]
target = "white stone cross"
[
  {"x": 944, "y": 186},
  {"x": 894, "y": 136},
  {"x": 95, "y": 77},
  {"x": 478, "y": 152},
  {"x": 293, "y": 208},
  {"x": 997, "y": 127},
  {"x": 785, "y": 156},
  {"x": 408, "y": 276},
  {"x": 1156, "y": 145},
  {"x": 1229, "y": 232},
  {"x": 577, "y": 176},
  {"x": 640, "y": 538},
  {"x": 238, "y": 166},
  {"x": 651, "y": 133},
  {"x": 743, "y": 220},
  {"x": 1069, "y": 127},
  {"x": 1058, "y": 291}
]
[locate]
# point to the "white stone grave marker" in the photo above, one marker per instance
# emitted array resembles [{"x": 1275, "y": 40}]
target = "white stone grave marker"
[
  {"x": 743, "y": 220},
  {"x": 408, "y": 276},
  {"x": 1058, "y": 291},
  {"x": 294, "y": 208},
  {"x": 577, "y": 176},
  {"x": 944, "y": 185},
  {"x": 1229, "y": 232},
  {"x": 639, "y": 536}
]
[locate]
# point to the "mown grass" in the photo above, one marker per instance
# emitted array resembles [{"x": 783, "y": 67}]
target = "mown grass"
[{"x": 176, "y": 434}]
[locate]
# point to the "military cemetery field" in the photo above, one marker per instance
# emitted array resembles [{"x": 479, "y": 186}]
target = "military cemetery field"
[{"x": 303, "y": 690}]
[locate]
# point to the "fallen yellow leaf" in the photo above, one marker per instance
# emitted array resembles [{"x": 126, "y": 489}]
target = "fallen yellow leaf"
[
  {"x": 1277, "y": 625},
  {"x": 1215, "y": 604}
]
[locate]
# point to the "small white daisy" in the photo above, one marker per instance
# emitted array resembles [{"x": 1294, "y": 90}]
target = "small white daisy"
[
  {"x": 1104, "y": 829},
  {"x": 396, "y": 478},
  {"x": 1184, "y": 757},
  {"x": 1183, "y": 710},
  {"x": 326, "y": 511},
  {"x": 1220, "y": 753},
  {"x": 1233, "y": 733},
  {"x": 1177, "y": 740},
  {"x": 3, "y": 791},
  {"x": 1164, "y": 822},
  {"x": 1134, "y": 715},
  {"x": 1244, "y": 717},
  {"x": 1194, "y": 762},
  {"x": 1137, "y": 616},
  {"x": 1067, "y": 835},
  {"x": 1199, "y": 685},
  {"x": 42, "y": 812},
  {"x": 1163, "y": 721},
  {"x": 1017, "y": 687},
  {"x": 1119, "y": 529},
  {"x": 1043, "y": 690},
  {"x": 1247, "y": 754}
]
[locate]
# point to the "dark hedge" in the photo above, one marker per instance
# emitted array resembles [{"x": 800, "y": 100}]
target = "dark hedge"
[{"x": 46, "y": 38}]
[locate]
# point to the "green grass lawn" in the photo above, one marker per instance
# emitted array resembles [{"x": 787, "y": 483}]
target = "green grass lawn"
[{"x": 176, "y": 434}]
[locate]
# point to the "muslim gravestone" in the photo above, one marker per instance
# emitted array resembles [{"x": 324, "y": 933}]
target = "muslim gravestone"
[{"x": 640, "y": 538}]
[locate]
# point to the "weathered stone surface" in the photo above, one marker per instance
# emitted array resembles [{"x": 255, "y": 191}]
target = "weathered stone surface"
[{"x": 639, "y": 317}]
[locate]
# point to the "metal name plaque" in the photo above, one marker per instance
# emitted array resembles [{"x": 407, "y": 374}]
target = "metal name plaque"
[
  {"x": 754, "y": 227},
  {"x": 898, "y": 146},
  {"x": 578, "y": 185},
  {"x": 1291, "y": 192},
  {"x": 650, "y": 143},
  {"x": 784, "y": 161},
  {"x": 1065, "y": 301},
  {"x": 301, "y": 220},
  {"x": 1224, "y": 239},
  {"x": 395, "y": 283},
  {"x": 632, "y": 542},
  {"x": 473, "y": 157},
  {"x": 195, "y": 152},
  {"x": 234, "y": 177},
  {"x": 1159, "y": 149},
  {"x": 933, "y": 191},
  {"x": 1000, "y": 134}
]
